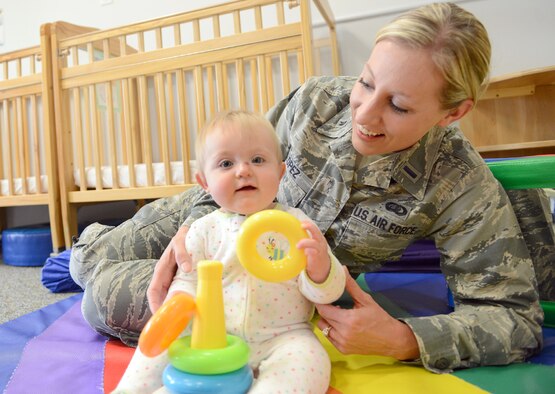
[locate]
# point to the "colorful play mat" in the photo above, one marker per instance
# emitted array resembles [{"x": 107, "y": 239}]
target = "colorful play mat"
[{"x": 53, "y": 350}]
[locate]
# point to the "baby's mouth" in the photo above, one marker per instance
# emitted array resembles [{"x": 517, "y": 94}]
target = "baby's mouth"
[{"x": 246, "y": 188}]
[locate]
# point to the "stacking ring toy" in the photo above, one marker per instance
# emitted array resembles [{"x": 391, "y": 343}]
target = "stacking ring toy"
[
  {"x": 236, "y": 382},
  {"x": 209, "y": 361},
  {"x": 166, "y": 324},
  {"x": 271, "y": 220}
]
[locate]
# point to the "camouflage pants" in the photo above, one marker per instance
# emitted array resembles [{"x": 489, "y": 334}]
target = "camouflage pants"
[
  {"x": 535, "y": 220},
  {"x": 114, "y": 265}
]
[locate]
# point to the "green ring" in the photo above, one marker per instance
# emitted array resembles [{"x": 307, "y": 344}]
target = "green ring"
[
  {"x": 209, "y": 361},
  {"x": 526, "y": 173}
]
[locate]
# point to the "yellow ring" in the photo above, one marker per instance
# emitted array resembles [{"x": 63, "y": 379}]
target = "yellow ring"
[{"x": 271, "y": 220}]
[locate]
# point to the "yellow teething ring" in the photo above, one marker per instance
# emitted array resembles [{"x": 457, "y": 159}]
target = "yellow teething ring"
[
  {"x": 166, "y": 324},
  {"x": 276, "y": 221}
]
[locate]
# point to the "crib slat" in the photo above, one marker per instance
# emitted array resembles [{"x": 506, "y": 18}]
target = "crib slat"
[
  {"x": 161, "y": 104},
  {"x": 199, "y": 90},
  {"x": 158, "y": 38},
  {"x": 121, "y": 121},
  {"x": 145, "y": 128},
  {"x": 18, "y": 144},
  {"x": 171, "y": 116},
  {"x": 261, "y": 67},
  {"x": 25, "y": 146},
  {"x": 236, "y": 22},
  {"x": 6, "y": 118},
  {"x": 241, "y": 83},
  {"x": 184, "y": 123},
  {"x": 254, "y": 88},
  {"x": 216, "y": 26},
  {"x": 111, "y": 135},
  {"x": 196, "y": 30},
  {"x": 36, "y": 151},
  {"x": 177, "y": 34},
  {"x": 2, "y": 145},
  {"x": 78, "y": 133},
  {"x": 211, "y": 96},
  {"x": 220, "y": 86},
  {"x": 127, "y": 132},
  {"x": 258, "y": 17},
  {"x": 270, "y": 75},
  {"x": 280, "y": 13},
  {"x": 300, "y": 62},
  {"x": 225, "y": 85},
  {"x": 87, "y": 129},
  {"x": 284, "y": 65},
  {"x": 96, "y": 138}
]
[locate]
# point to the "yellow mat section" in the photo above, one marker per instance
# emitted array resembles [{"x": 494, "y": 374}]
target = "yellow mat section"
[{"x": 356, "y": 374}]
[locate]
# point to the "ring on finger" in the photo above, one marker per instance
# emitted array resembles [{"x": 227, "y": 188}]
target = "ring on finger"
[{"x": 326, "y": 331}]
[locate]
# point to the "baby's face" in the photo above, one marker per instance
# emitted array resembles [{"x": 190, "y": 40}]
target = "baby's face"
[{"x": 241, "y": 170}]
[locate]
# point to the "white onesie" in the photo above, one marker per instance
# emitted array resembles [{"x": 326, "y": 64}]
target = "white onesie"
[{"x": 273, "y": 318}]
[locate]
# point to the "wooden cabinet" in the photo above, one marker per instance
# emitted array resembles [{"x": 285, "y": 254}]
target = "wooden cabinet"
[{"x": 516, "y": 116}]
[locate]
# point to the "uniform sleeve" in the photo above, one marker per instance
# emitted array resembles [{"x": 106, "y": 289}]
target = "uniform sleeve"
[
  {"x": 202, "y": 207},
  {"x": 497, "y": 318}
]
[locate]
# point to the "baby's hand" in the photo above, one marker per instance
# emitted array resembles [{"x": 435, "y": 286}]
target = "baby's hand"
[{"x": 316, "y": 250}]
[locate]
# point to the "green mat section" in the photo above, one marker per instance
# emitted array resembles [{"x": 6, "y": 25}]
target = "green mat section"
[{"x": 515, "y": 378}]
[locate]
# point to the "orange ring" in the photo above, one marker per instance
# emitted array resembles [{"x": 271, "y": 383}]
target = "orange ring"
[{"x": 166, "y": 324}]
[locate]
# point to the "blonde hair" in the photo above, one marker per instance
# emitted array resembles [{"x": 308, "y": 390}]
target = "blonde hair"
[
  {"x": 459, "y": 44},
  {"x": 240, "y": 122}
]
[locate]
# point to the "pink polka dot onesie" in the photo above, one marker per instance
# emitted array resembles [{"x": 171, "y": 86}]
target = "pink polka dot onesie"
[{"x": 273, "y": 318}]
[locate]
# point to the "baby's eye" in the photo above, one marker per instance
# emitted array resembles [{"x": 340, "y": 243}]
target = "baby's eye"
[
  {"x": 226, "y": 163},
  {"x": 258, "y": 160}
]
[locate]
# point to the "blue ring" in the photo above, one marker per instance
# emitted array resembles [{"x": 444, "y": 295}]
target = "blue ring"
[{"x": 236, "y": 382}]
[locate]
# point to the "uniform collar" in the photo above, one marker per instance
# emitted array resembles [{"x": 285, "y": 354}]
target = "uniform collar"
[
  {"x": 414, "y": 165},
  {"x": 410, "y": 168}
]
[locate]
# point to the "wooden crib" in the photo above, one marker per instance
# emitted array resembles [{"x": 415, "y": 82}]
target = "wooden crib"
[
  {"x": 128, "y": 100},
  {"x": 28, "y": 164},
  {"x": 27, "y": 158}
]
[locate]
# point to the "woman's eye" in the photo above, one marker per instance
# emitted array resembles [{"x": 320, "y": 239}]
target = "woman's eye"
[
  {"x": 226, "y": 163},
  {"x": 258, "y": 160},
  {"x": 364, "y": 83},
  {"x": 397, "y": 109}
]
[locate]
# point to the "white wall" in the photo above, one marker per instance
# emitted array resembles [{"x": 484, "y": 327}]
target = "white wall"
[
  {"x": 522, "y": 35},
  {"x": 521, "y": 31}
]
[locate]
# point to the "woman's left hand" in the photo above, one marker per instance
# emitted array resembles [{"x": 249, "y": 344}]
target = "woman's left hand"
[{"x": 366, "y": 328}]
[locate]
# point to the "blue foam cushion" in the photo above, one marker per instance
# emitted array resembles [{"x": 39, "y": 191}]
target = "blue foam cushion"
[
  {"x": 26, "y": 246},
  {"x": 55, "y": 274}
]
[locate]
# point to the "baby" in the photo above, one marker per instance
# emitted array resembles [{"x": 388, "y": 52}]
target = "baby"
[{"x": 240, "y": 165}]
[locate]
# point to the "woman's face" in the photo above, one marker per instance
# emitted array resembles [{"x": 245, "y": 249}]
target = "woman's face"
[{"x": 396, "y": 99}]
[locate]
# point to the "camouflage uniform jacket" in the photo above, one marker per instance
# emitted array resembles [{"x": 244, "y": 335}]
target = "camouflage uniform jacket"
[{"x": 440, "y": 189}]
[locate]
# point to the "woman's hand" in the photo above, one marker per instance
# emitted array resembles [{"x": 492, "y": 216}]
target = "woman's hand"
[
  {"x": 318, "y": 261},
  {"x": 164, "y": 271},
  {"x": 367, "y": 328}
]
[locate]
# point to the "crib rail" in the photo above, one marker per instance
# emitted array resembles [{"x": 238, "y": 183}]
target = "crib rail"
[
  {"x": 129, "y": 100},
  {"x": 28, "y": 172}
]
